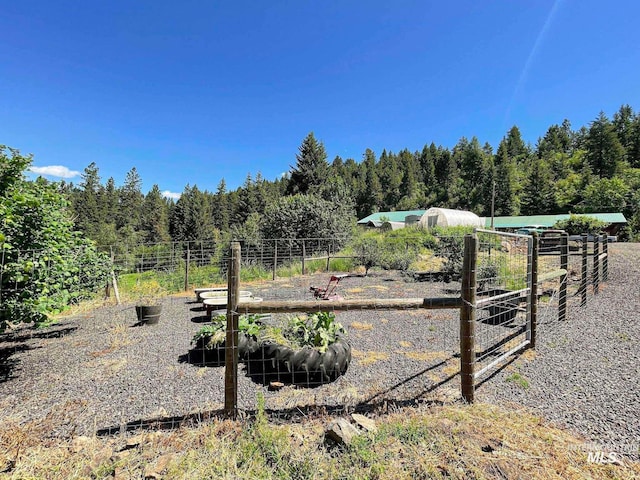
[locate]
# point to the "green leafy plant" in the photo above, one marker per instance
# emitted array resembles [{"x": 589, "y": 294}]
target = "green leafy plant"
[
  {"x": 317, "y": 330},
  {"x": 216, "y": 333},
  {"x": 579, "y": 224}
]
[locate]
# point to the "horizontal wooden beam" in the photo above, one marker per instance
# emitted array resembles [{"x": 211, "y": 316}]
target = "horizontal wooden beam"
[
  {"x": 276, "y": 306},
  {"x": 545, "y": 277}
]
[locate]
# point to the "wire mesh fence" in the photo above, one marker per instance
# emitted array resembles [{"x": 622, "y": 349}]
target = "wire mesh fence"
[
  {"x": 111, "y": 370},
  {"x": 503, "y": 288}
]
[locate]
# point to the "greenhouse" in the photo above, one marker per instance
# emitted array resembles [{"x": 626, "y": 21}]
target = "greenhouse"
[{"x": 445, "y": 217}]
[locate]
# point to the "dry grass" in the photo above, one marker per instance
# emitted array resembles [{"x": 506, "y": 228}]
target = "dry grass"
[
  {"x": 427, "y": 263},
  {"x": 362, "y": 325},
  {"x": 451, "y": 441},
  {"x": 369, "y": 357},
  {"x": 425, "y": 356}
]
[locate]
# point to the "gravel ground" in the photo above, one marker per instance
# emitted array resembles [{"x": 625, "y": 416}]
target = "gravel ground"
[
  {"x": 99, "y": 370},
  {"x": 585, "y": 374}
]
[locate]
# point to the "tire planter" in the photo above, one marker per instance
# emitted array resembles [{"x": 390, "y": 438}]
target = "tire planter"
[
  {"x": 148, "y": 314},
  {"x": 304, "y": 367},
  {"x": 214, "y": 356}
]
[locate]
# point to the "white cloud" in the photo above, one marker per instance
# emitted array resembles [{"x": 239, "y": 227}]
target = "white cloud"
[
  {"x": 55, "y": 171},
  {"x": 168, "y": 194}
]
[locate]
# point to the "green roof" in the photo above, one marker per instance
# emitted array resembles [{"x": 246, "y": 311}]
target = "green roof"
[
  {"x": 549, "y": 220},
  {"x": 390, "y": 216}
]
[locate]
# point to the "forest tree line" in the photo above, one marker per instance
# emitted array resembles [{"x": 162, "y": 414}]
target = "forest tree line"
[{"x": 595, "y": 168}]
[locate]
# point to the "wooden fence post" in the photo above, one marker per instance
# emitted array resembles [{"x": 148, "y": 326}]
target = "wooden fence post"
[
  {"x": 231, "y": 343},
  {"x": 304, "y": 254},
  {"x": 564, "y": 265},
  {"x": 186, "y": 269},
  {"x": 275, "y": 258},
  {"x": 585, "y": 270},
  {"x": 596, "y": 264},
  {"x": 468, "y": 318},
  {"x": 533, "y": 302}
]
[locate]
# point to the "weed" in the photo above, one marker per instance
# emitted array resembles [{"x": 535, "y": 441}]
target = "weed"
[{"x": 518, "y": 380}]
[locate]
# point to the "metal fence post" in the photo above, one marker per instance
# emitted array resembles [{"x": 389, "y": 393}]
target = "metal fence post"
[
  {"x": 564, "y": 265},
  {"x": 605, "y": 258},
  {"x": 231, "y": 351},
  {"x": 596, "y": 264},
  {"x": 533, "y": 300},
  {"x": 468, "y": 318},
  {"x": 585, "y": 270}
]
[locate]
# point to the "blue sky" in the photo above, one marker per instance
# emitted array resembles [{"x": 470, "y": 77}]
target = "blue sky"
[{"x": 196, "y": 91}]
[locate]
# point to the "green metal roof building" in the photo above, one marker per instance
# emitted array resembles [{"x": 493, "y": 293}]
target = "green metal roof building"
[
  {"x": 502, "y": 223},
  {"x": 615, "y": 220}
]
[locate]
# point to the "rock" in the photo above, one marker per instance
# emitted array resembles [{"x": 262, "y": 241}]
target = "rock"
[
  {"x": 156, "y": 470},
  {"x": 341, "y": 432},
  {"x": 364, "y": 422},
  {"x": 274, "y": 386},
  {"x": 80, "y": 443}
]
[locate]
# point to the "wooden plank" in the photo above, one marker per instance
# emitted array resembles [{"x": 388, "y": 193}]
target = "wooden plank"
[{"x": 279, "y": 306}]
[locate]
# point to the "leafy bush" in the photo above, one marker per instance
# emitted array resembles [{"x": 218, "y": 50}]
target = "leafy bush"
[
  {"x": 46, "y": 265},
  {"x": 579, "y": 224}
]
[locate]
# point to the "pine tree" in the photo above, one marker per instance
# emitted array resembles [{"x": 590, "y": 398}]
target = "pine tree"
[
  {"x": 130, "y": 204},
  {"x": 506, "y": 201},
  {"x": 538, "y": 195},
  {"x": 89, "y": 215},
  {"x": 371, "y": 192},
  {"x": 633, "y": 152},
  {"x": 604, "y": 151},
  {"x": 311, "y": 168},
  {"x": 155, "y": 217}
]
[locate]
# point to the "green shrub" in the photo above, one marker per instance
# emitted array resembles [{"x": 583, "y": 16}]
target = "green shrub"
[{"x": 579, "y": 224}]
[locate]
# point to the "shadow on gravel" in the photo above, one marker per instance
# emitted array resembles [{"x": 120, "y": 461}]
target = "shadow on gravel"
[
  {"x": 37, "y": 334},
  {"x": 201, "y": 319},
  {"x": 7, "y": 364},
  {"x": 199, "y": 359},
  {"x": 375, "y": 404}
]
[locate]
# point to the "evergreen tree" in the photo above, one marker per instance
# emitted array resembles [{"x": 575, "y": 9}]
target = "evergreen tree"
[
  {"x": 538, "y": 195},
  {"x": 427, "y": 164},
  {"x": 506, "y": 201},
  {"x": 130, "y": 204},
  {"x": 311, "y": 166},
  {"x": 390, "y": 175},
  {"x": 155, "y": 217},
  {"x": 221, "y": 207},
  {"x": 371, "y": 193},
  {"x": 89, "y": 215},
  {"x": 633, "y": 149},
  {"x": 623, "y": 124},
  {"x": 604, "y": 151}
]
